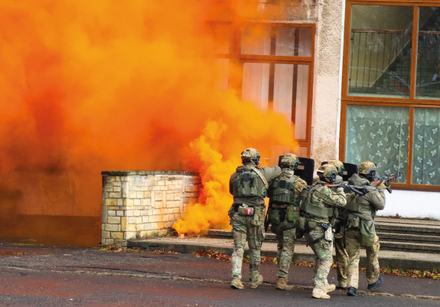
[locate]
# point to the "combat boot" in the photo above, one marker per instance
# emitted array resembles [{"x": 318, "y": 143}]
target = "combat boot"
[
  {"x": 236, "y": 284},
  {"x": 377, "y": 284},
  {"x": 352, "y": 291},
  {"x": 255, "y": 284},
  {"x": 329, "y": 288},
  {"x": 319, "y": 293},
  {"x": 282, "y": 284}
]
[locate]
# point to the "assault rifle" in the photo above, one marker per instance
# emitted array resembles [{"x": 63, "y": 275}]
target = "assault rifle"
[
  {"x": 358, "y": 189},
  {"x": 387, "y": 178}
]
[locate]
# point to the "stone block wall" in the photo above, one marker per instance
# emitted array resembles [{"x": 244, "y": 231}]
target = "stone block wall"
[{"x": 138, "y": 204}]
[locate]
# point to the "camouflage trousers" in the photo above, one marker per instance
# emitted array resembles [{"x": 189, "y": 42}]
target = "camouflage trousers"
[
  {"x": 243, "y": 230},
  {"x": 341, "y": 259},
  {"x": 353, "y": 246},
  {"x": 323, "y": 255},
  {"x": 286, "y": 237}
]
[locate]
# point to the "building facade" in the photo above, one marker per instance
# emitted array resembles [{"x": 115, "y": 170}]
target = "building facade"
[{"x": 359, "y": 80}]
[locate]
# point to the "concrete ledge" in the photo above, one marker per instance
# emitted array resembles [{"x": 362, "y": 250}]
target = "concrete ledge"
[
  {"x": 392, "y": 259},
  {"x": 140, "y": 173}
]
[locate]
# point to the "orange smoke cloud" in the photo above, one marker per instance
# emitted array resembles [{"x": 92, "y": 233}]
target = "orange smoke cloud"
[
  {"x": 217, "y": 152},
  {"x": 88, "y": 86}
]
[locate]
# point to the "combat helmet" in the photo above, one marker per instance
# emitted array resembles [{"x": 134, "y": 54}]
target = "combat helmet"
[
  {"x": 250, "y": 155},
  {"x": 289, "y": 160},
  {"x": 327, "y": 172},
  {"x": 367, "y": 169},
  {"x": 339, "y": 166}
]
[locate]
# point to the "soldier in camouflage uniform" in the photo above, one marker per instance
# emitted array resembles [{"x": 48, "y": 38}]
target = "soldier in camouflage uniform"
[
  {"x": 284, "y": 194},
  {"x": 341, "y": 256},
  {"x": 360, "y": 229},
  {"x": 249, "y": 186},
  {"x": 318, "y": 208}
]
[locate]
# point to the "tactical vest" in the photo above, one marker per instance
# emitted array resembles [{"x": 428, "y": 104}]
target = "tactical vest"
[
  {"x": 354, "y": 206},
  {"x": 247, "y": 185},
  {"x": 283, "y": 191},
  {"x": 314, "y": 208}
]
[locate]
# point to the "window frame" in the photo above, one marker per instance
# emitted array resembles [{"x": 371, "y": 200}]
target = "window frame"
[
  {"x": 411, "y": 102},
  {"x": 238, "y": 60}
]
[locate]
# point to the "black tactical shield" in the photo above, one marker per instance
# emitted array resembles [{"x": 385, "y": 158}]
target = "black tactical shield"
[
  {"x": 305, "y": 169},
  {"x": 350, "y": 169}
]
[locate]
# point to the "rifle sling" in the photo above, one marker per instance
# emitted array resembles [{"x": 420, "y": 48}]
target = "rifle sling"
[{"x": 256, "y": 170}]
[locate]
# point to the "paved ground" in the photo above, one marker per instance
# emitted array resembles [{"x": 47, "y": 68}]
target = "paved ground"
[{"x": 58, "y": 276}]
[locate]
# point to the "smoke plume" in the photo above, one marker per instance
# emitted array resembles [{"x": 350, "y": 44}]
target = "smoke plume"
[{"x": 91, "y": 86}]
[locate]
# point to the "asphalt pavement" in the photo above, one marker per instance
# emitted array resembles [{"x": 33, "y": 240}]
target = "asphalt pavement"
[{"x": 58, "y": 276}]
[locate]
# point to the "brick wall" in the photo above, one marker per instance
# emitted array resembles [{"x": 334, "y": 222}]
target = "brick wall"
[{"x": 139, "y": 204}]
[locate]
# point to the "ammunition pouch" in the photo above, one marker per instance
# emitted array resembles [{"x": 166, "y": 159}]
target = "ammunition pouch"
[
  {"x": 248, "y": 185},
  {"x": 289, "y": 214},
  {"x": 318, "y": 211},
  {"x": 303, "y": 226},
  {"x": 292, "y": 214},
  {"x": 274, "y": 216},
  {"x": 246, "y": 210},
  {"x": 258, "y": 217},
  {"x": 283, "y": 191},
  {"x": 368, "y": 232}
]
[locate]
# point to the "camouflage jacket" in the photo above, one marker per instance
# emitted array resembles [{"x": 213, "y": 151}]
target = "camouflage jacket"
[
  {"x": 298, "y": 185},
  {"x": 375, "y": 200},
  {"x": 323, "y": 196},
  {"x": 269, "y": 173}
]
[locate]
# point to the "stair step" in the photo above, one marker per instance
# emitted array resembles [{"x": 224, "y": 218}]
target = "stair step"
[
  {"x": 406, "y": 237},
  {"x": 426, "y": 242},
  {"x": 409, "y": 229},
  {"x": 407, "y": 221},
  {"x": 410, "y": 247}
]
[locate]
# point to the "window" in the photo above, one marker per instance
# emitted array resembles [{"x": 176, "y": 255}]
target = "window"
[
  {"x": 378, "y": 134},
  {"x": 391, "y": 89},
  {"x": 275, "y": 65}
]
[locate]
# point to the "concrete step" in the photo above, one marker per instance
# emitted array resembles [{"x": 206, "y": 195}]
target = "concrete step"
[
  {"x": 409, "y": 238},
  {"x": 416, "y": 229},
  {"x": 411, "y": 235},
  {"x": 410, "y": 247},
  {"x": 393, "y": 259}
]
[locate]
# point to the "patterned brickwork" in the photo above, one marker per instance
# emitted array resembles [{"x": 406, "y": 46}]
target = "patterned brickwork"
[{"x": 139, "y": 204}]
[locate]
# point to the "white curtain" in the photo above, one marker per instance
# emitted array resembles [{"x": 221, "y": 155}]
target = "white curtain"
[{"x": 378, "y": 134}]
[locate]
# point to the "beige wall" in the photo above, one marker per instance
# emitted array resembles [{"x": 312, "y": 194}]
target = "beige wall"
[
  {"x": 139, "y": 204},
  {"x": 328, "y": 17},
  {"x": 326, "y": 89}
]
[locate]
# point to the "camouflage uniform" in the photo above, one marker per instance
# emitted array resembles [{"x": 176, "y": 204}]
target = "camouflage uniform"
[
  {"x": 248, "y": 228},
  {"x": 319, "y": 205},
  {"x": 370, "y": 203},
  {"x": 341, "y": 255},
  {"x": 322, "y": 196},
  {"x": 285, "y": 231}
]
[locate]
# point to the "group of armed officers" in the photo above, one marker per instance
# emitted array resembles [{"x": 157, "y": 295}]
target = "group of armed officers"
[{"x": 328, "y": 212}]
